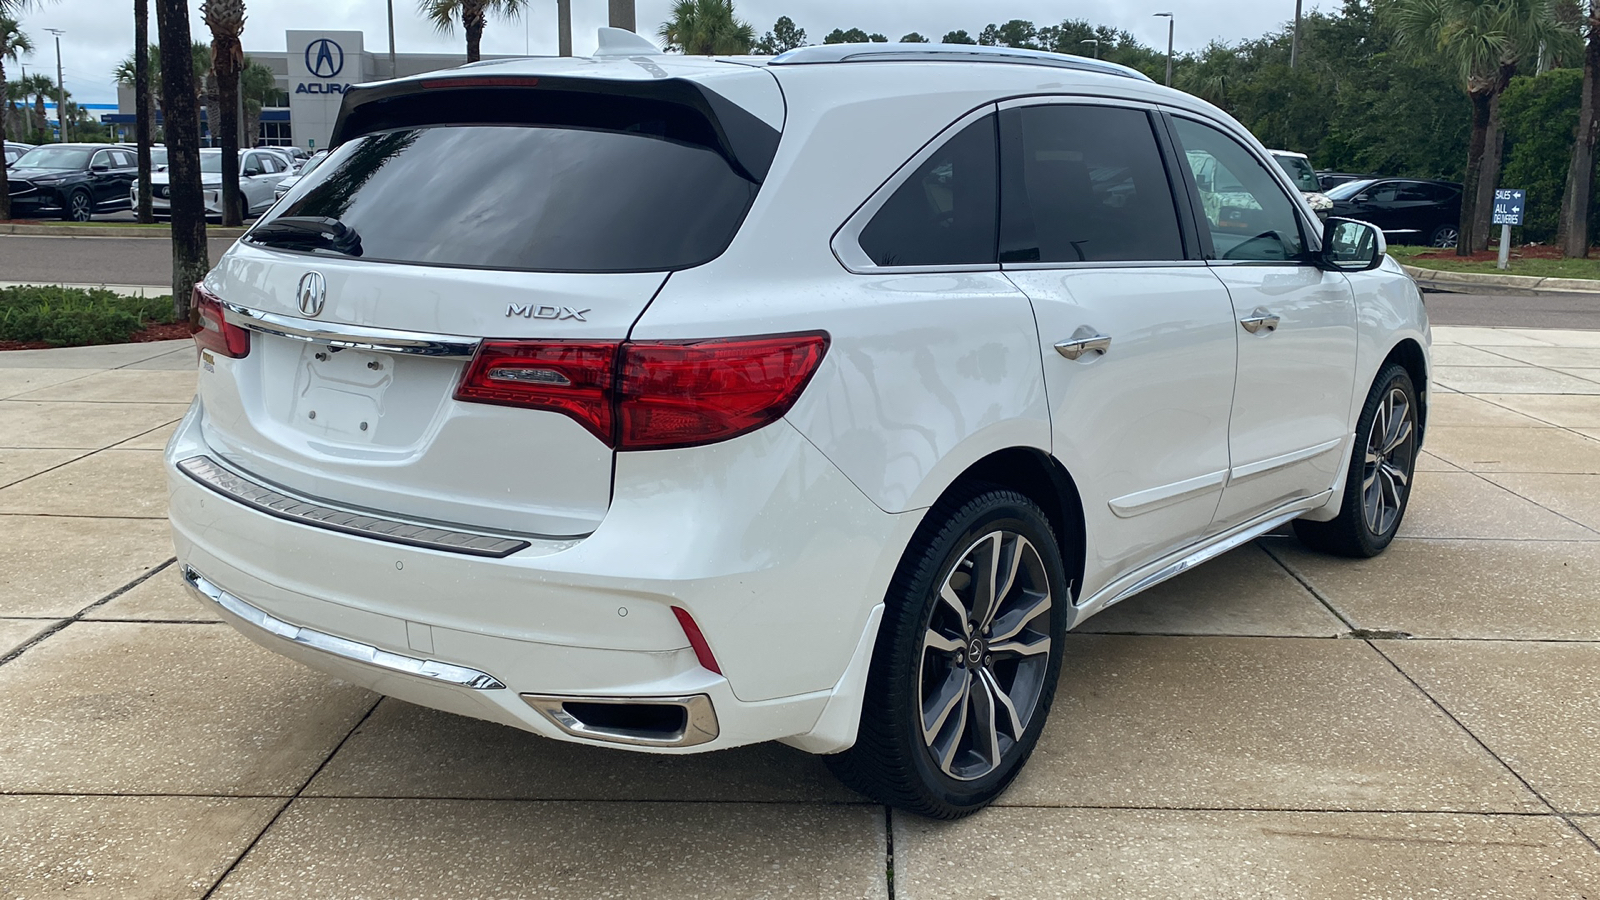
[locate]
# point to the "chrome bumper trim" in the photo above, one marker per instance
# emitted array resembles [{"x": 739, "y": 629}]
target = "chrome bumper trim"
[
  {"x": 700, "y": 719},
  {"x": 461, "y": 676},
  {"x": 351, "y": 337},
  {"x": 206, "y": 471}
]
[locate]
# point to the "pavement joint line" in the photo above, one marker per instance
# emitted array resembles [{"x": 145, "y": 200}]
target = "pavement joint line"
[
  {"x": 1564, "y": 817},
  {"x": 1348, "y": 636},
  {"x": 412, "y": 798},
  {"x": 42, "y": 636},
  {"x": 1486, "y": 480},
  {"x": 86, "y": 455},
  {"x": 35, "y": 515},
  {"x": 83, "y": 457},
  {"x": 888, "y": 838},
  {"x": 1306, "y": 583}
]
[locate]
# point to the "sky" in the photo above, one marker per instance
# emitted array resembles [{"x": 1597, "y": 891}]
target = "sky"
[{"x": 99, "y": 33}]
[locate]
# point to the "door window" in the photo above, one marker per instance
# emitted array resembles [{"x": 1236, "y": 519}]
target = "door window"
[
  {"x": 1084, "y": 184},
  {"x": 102, "y": 158},
  {"x": 1249, "y": 215},
  {"x": 947, "y": 212}
]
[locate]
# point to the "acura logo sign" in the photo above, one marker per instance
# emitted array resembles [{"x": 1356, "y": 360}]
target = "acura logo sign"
[
  {"x": 324, "y": 58},
  {"x": 313, "y": 292}
]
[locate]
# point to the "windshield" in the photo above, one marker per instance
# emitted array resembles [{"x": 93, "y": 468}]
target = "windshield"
[
  {"x": 212, "y": 163},
  {"x": 1300, "y": 171},
  {"x": 1348, "y": 189},
  {"x": 158, "y": 156},
  {"x": 315, "y": 160},
  {"x": 64, "y": 158}
]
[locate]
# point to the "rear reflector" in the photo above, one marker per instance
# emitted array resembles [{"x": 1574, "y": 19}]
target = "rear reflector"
[
  {"x": 650, "y": 395},
  {"x": 214, "y": 333},
  {"x": 697, "y": 640}
]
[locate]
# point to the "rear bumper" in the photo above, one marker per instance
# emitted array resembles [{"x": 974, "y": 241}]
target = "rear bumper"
[{"x": 789, "y": 615}]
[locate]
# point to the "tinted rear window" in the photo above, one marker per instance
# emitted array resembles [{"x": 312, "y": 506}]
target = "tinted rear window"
[
  {"x": 947, "y": 212},
  {"x": 531, "y": 197}
]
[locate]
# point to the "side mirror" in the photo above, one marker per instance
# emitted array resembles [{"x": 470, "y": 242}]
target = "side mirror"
[
  {"x": 1352, "y": 246},
  {"x": 97, "y": 168},
  {"x": 252, "y": 171}
]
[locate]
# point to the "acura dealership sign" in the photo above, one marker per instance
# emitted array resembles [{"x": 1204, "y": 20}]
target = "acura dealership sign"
[{"x": 322, "y": 67}]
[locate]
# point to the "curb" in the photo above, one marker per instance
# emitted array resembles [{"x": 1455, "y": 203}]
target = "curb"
[
  {"x": 163, "y": 232},
  {"x": 1441, "y": 280}
]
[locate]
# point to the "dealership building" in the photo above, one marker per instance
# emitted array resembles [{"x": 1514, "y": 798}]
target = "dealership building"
[{"x": 314, "y": 70}]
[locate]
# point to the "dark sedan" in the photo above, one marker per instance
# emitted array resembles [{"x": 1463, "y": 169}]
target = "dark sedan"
[
  {"x": 1408, "y": 210},
  {"x": 71, "y": 181}
]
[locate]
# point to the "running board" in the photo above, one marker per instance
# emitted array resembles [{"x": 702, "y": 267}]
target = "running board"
[{"x": 1193, "y": 555}]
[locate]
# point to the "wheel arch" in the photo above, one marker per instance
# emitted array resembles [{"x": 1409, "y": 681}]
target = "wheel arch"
[{"x": 1408, "y": 354}]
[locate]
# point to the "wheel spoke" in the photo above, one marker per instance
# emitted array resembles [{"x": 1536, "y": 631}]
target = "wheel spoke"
[
  {"x": 985, "y": 580},
  {"x": 951, "y": 696},
  {"x": 1011, "y": 624},
  {"x": 1395, "y": 473},
  {"x": 1402, "y": 432},
  {"x": 1014, "y": 647},
  {"x": 948, "y": 595},
  {"x": 985, "y": 731},
  {"x": 947, "y": 753},
  {"x": 1006, "y": 709},
  {"x": 933, "y": 640},
  {"x": 1007, "y": 579},
  {"x": 1372, "y": 502}
]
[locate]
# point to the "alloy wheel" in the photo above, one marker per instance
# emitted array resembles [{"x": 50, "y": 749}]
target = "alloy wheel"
[
  {"x": 81, "y": 210},
  {"x": 1446, "y": 237},
  {"x": 985, "y": 653},
  {"x": 1390, "y": 454}
]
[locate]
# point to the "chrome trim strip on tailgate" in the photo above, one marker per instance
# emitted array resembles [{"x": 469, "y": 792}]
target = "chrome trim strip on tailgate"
[
  {"x": 236, "y": 487},
  {"x": 352, "y": 337},
  {"x": 460, "y": 676}
]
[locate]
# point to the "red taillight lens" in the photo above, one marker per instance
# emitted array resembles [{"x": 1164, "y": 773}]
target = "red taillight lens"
[
  {"x": 214, "y": 333},
  {"x": 658, "y": 394},
  {"x": 686, "y": 394},
  {"x": 567, "y": 377},
  {"x": 697, "y": 640}
]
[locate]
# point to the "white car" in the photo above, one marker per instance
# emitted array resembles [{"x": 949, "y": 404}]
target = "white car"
[
  {"x": 259, "y": 174},
  {"x": 674, "y": 404},
  {"x": 305, "y": 169},
  {"x": 1298, "y": 167}
]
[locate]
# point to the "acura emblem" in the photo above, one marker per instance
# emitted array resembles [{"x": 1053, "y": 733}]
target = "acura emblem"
[{"x": 312, "y": 294}]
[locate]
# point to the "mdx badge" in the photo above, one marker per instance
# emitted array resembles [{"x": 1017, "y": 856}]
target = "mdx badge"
[
  {"x": 545, "y": 312},
  {"x": 312, "y": 293}
]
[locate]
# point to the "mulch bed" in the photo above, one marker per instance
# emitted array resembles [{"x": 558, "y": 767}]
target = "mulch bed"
[
  {"x": 1531, "y": 251},
  {"x": 171, "y": 332}
]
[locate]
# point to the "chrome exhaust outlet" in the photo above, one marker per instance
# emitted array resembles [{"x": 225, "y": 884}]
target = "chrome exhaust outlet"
[{"x": 637, "y": 721}]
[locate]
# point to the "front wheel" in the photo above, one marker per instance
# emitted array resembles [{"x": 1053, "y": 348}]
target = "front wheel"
[
  {"x": 1378, "y": 484},
  {"x": 1444, "y": 236},
  {"x": 79, "y": 208},
  {"x": 967, "y": 658}
]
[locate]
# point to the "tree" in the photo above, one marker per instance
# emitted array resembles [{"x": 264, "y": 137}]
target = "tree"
[
  {"x": 144, "y": 120},
  {"x": 853, "y": 36},
  {"x": 707, "y": 28},
  {"x": 913, "y": 38},
  {"x": 225, "y": 18},
  {"x": 259, "y": 88},
  {"x": 1015, "y": 33},
  {"x": 178, "y": 97},
  {"x": 783, "y": 37},
  {"x": 473, "y": 15},
  {"x": 1573, "y": 228},
  {"x": 1482, "y": 40},
  {"x": 957, "y": 37},
  {"x": 13, "y": 43}
]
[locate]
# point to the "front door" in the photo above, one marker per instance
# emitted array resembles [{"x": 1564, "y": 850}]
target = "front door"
[
  {"x": 1296, "y": 327},
  {"x": 1136, "y": 333}
]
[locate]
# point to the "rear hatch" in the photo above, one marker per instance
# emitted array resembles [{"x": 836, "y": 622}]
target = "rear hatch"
[{"x": 467, "y": 208}]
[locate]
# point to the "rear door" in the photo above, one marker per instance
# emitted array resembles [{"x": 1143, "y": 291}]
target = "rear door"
[
  {"x": 549, "y": 219},
  {"x": 1295, "y": 325},
  {"x": 1136, "y": 335}
]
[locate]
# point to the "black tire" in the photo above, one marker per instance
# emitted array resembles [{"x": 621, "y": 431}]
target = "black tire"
[
  {"x": 79, "y": 207},
  {"x": 892, "y": 762},
  {"x": 1359, "y": 530},
  {"x": 1444, "y": 236}
]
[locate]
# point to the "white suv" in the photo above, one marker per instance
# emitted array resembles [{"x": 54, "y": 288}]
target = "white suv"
[{"x": 678, "y": 403}]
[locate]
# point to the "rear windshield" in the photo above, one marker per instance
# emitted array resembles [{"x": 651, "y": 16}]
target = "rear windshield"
[
  {"x": 530, "y": 197},
  {"x": 1299, "y": 171}
]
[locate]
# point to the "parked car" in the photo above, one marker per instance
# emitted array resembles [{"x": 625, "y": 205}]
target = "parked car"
[
  {"x": 259, "y": 174},
  {"x": 13, "y": 150},
  {"x": 1298, "y": 167},
  {"x": 809, "y": 399},
  {"x": 305, "y": 169},
  {"x": 72, "y": 181},
  {"x": 283, "y": 153},
  {"x": 1409, "y": 210},
  {"x": 1329, "y": 180},
  {"x": 158, "y": 155}
]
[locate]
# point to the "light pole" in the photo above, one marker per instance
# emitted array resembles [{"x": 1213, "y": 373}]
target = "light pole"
[
  {"x": 1170, "y": 21},
  {"x": 1095, "y": 42},
  {"x": 61, "y": 88},
  {"x": 392, "y": 72},
  {"x": 1294, "y": 42},
  {"x": 564, "y": 27},
  {"x": 621, "y": 14}
]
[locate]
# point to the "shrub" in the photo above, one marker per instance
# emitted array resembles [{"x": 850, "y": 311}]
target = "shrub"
[{"x": 74, "y": 316}]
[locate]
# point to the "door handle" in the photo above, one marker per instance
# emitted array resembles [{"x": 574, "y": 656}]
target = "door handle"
[
  {"x": 1260, "y": 320},
  {"x": 1084, "y": 340}
]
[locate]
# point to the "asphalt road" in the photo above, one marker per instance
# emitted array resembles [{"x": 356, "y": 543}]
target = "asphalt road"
[{"x": 111, "y": 260}]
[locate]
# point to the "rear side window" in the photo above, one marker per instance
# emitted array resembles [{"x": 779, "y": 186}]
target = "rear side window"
[
  {"x": 1084, "y": 184},
  {"x": 947, "y": 212},
  {"x": 623, "y": 198}
]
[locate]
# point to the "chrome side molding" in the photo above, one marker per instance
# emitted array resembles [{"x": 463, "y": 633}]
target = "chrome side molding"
[
  {"x": 460, "y": 676},
  {"x": 699, "y": 719},
  {"x": 351, "y": 337}
]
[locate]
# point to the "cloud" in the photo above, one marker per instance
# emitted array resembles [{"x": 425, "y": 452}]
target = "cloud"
[{"x": 99, "y": 33}]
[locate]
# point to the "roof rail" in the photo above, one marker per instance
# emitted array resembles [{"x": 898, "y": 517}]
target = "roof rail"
[{"x": 885, "y": 52}]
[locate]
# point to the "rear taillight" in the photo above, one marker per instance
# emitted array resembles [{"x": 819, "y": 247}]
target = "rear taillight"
[
  {"x": 214, "y": 333},
  {"x": 650, "y": 395}
]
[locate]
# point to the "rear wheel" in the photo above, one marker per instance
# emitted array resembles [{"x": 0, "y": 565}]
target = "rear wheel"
[
  {"x": 1444, "y": 236},
  {"x": 967, "y": 658},
  {"x": 1378, "y": 485},
  {"x": 79, "y": 208}
]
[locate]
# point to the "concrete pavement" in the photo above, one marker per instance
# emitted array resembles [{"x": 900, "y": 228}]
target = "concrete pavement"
[
  {"x": 91, "y": 260},
  {"x": 1275, "y": 723}
]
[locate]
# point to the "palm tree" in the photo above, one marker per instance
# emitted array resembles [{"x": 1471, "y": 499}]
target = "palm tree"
[
  {"x": 259, "y": 87},
  {"x": 707, "y": 28},
  {"x": 179, "y": 93},
  {"x": 1573, "y": 231},
  {"x": 13, "y": 43},
  {"x": 225, "y": 18},
  {"x": 144, "y": 113},
  {"x": 1483, "y": 40},
  {"x": 473, "y": 14}
]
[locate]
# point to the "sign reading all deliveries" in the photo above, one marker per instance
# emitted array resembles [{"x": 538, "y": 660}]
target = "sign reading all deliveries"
[{"x": 1508, "y": 206}]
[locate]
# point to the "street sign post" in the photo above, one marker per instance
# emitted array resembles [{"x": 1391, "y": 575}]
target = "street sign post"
[{"x": 1508, "y": 209}]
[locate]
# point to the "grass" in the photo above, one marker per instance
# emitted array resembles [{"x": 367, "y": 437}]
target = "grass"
[
  {"x": 75, "y": 317},
  {"x": 1539, "y": 267}
]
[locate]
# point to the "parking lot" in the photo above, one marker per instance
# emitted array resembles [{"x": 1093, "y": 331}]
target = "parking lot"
[{"x": 1275, "y": 723}]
